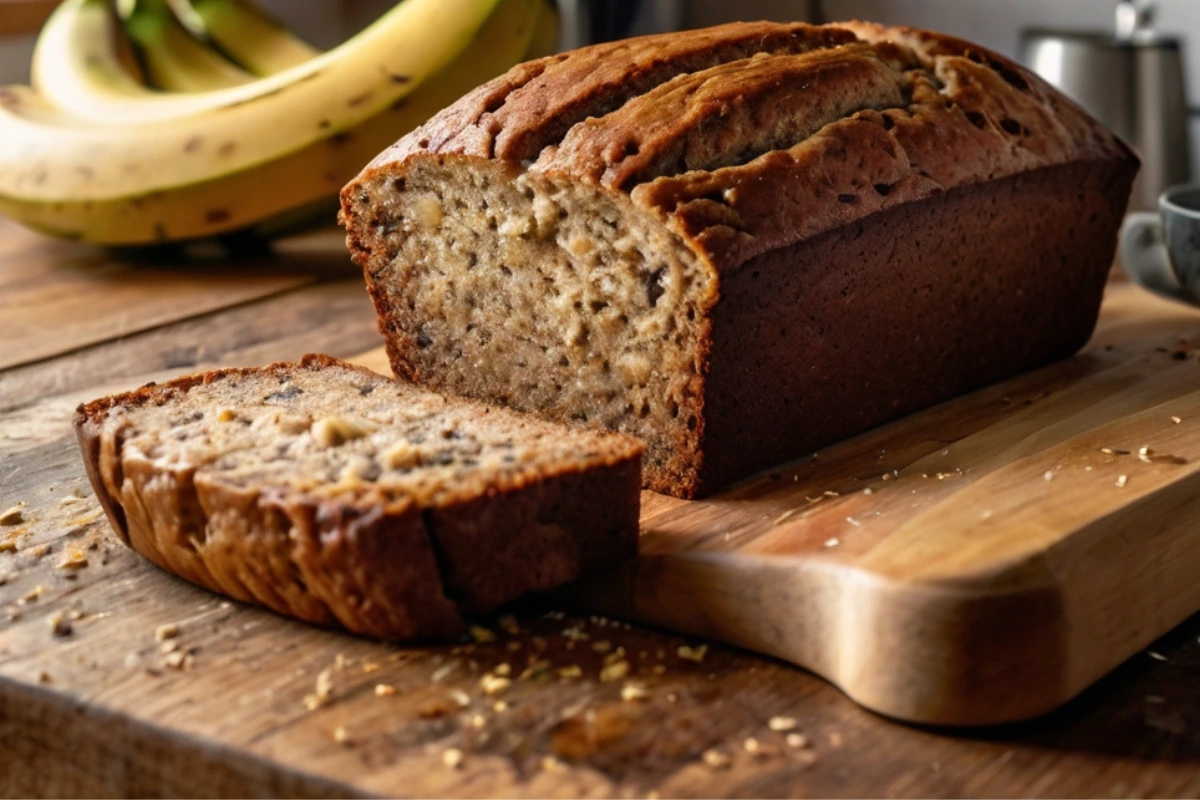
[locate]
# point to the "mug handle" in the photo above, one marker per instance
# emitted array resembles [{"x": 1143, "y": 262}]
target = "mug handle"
[{"x": 1144, "y": 256}]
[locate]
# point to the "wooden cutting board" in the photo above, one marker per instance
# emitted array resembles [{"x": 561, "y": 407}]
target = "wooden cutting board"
[{"x": 979, "y": 562}]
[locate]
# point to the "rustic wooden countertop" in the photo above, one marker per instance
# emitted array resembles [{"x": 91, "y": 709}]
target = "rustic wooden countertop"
[{"x": 89, "y": 708}]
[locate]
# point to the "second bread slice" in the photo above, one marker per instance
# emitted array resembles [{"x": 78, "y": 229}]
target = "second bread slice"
[{"x": 338, "y": 496}]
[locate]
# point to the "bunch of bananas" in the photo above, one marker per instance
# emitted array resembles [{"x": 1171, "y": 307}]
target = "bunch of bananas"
[{"x": 165, "y": 120}]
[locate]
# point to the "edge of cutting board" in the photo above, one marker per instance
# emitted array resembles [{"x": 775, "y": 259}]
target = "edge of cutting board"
[{"x": 1049, "y": 554}]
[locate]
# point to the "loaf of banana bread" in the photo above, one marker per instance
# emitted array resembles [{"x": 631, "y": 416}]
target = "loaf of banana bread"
[
  {"x": 338, "y": 496},
  {"x": 744, "y": 242}
]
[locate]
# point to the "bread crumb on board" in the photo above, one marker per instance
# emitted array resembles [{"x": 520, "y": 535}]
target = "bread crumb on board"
[{"x": 13, "y": 515}]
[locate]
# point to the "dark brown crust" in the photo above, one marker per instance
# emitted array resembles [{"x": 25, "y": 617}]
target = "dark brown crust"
[
  {"x": 919, "y": 303},
  {"x": 759, "y": 184},
  {"x": 378, "y": 567}
]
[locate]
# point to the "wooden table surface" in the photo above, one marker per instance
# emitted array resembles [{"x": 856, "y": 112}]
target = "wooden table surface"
[{"x": 76, "y": 322}]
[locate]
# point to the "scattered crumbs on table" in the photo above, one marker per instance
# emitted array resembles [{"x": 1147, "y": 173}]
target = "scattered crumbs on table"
[
  {"x": 492, "y": 684},
  {"x": 780, "y": 724},
  {"x": 452, "y": 757},
  {"x": 832, "y": 542},
  {"x": 1156, "y": 655},
  {"x": 164, "y": 632},
  {"x": 1122, "y": 481},
  {"x": 797, "y": 741},
  {"x": 1176, "y": 420},
  {"x": 1048, "y": 475},
  {"x": 13, "y": 515},
  {"x": 384, "y": 689},
  {"x": 634, "y": 692},
  {"x": 715, "y": 759},
  {"x": 60, "y": 626}
]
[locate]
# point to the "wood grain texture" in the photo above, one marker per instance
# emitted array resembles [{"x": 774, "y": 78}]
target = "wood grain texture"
[
  {"x": 100, "y": 711},
  {"x": 104, "y": 296}
]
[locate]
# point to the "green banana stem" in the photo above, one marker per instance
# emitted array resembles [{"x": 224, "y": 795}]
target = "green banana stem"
[{"x": 172, "y": 58}]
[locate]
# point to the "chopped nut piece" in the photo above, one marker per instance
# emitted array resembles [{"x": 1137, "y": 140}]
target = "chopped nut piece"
[
  {"x": 341, "y": 735},
  {"x": 384, "y": 689},
  {"x": 478, "y": 721},
  {"x": 1176, "y": 420},
  {"x": 552, "y": 764},
  {"x": 750, "y": 745},
  {"x": 833, "y": 542},
  {"x": 34, "y": 593},
  {"x": 13, "y": 515},
  {"x": 460, "y": 697},
  {"x": 226, "y": 415},
  {"x": 615, "y": 671},
  {"x": 494, "y": 684},
  {"x": 168, "y": 647},
  {"x": 715, "y": 759},
  {"x": 74, "y": 559},
  {"x": 796, "y": 740},
  {"x": 1122, "y": 481},
  {"x": 452, "y": 758},
  {"x": 696, "y": 654},
  {"x": 780, "y": 724},
  {"x": 573, "y": 671},
  {"x": 500, "y": 707},
  {"x": 634, "y": 692},
  {"x": 369, "y": 667},
  {"x": 164, "y": 632},
  {"x": 503, "y": 670},
  {"x": 334, "y": 431}
]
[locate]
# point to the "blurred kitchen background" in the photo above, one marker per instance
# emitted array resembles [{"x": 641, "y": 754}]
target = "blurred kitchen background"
[{"x": 1004, "y": 25}]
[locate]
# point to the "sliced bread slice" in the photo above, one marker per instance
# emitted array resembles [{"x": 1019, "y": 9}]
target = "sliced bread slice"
[{"x": 341, "y": 497}]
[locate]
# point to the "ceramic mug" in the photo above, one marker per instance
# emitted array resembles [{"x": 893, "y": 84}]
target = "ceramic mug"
[{"x": 1161, "y": 250}]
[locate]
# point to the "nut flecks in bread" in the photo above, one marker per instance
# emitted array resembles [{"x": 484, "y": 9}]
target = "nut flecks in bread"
[
  {"x": 335, "y": 495},
  {"x": 598, "y": 210}
]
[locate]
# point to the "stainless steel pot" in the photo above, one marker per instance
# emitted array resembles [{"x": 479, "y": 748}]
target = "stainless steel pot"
[{"x": 1132, "y": 81}]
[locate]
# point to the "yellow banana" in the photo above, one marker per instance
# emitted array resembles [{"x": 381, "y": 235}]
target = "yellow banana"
[
  {"x": 171, "y": 55},
  {"x": 210, "y": 174},
  {"x": 250, "y": 37}
]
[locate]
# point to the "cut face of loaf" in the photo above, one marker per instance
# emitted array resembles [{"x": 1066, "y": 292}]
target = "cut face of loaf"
[
  {"x": 338, "y": 496},
  {"x": 743, "y": 242}
]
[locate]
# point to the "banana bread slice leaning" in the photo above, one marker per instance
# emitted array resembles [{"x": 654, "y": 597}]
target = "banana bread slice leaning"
[
  {"x": 744, "y": 242},
  {"x": 335, "y": 495}
]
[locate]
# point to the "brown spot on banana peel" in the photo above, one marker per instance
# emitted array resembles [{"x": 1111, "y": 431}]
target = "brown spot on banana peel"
[
  {"x": 359, "y": 99},
  {"x": 227, "y": 149},
  {"x": 193, "y": 144},
  {"x": 399, "y": 79}
]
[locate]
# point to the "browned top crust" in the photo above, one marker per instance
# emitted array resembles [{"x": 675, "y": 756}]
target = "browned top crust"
[{"x": 752, "y": 136}]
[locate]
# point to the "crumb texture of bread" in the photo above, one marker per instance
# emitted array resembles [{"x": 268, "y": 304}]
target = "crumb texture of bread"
[
  {"x": 567, "y": 238},
  {"x": 338, "y": 496}
]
